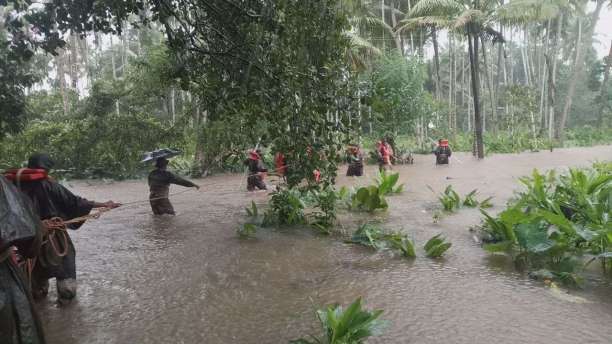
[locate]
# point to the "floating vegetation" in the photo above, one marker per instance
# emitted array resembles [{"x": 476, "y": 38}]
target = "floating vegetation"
[{"x": 351, "y": 326}]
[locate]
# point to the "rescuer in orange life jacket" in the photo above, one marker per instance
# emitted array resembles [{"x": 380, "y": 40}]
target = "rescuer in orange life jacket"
[
  {"x": 257, "y": 171},
  {"x": 50, "y": 200},
  {"x": 442, "y": 152}
]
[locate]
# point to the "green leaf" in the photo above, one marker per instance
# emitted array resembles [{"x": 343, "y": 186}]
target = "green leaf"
[{"x": 503, "y": 246}]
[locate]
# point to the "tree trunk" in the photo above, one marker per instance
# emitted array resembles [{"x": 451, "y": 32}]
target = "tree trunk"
[
  {"x": 61, "y": 79},
  {"x": 603, "y": 93},
  {"x": 396, "y": 35},
  {"x": 73, "y": 62},
  {"x": 578, "y": 66},
  {"x": 434, "y": 38},
  {"x": 474, "y": 66},
  {"x": 489, "y": 82},
  {"x": 114, "y": 67},
  {"x": 552, "y": 81}
]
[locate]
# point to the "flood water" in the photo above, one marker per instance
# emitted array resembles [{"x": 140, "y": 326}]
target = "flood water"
[{"x": 189, "y": 279}]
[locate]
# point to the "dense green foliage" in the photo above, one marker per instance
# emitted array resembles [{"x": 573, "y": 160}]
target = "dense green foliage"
[{"x": 558, "y": 223}]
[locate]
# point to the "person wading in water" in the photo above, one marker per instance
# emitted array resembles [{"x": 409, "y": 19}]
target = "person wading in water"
[
  {"x": 355, "y": 161},
  {"x": 385, "y": 155},
  {"x": 19, "y": 227},
  {"x": 52, "y": 200},
  {"x": 442, "y": 152},
  {"x": 257, "y": 171},
  {"x": 159, "y": 185}
]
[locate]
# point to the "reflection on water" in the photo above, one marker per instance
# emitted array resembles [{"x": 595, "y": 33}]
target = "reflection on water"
[{"x": 188, "y": 279}]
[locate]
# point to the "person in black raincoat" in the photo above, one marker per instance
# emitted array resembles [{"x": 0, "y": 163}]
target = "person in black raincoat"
[
  {"x": 255, "y": 180},
  {"x": 355, "y": 161},
  {"x": 159, "y": 187},
  {"x": 19, "y": 227},
  {"x": 50, "y": 200}
]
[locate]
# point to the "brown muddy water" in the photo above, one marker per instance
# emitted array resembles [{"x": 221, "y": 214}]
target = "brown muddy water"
[{"x": 189, "y": 279}]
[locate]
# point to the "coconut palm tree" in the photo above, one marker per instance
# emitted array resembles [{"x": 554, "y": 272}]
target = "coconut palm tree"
[{"x": 476, "y": 20}]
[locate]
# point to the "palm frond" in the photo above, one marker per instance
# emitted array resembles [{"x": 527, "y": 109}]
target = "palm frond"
[
  {"x": 490, "y": 34},
  {"x": 427, "y": 21},
  {"x": 436, "y": 7},
  {"x": 362, "y": 44},
  {"x": 469, "y": 16}
]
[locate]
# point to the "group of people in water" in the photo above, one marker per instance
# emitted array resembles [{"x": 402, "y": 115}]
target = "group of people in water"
[{"x": 36, "y": 211}]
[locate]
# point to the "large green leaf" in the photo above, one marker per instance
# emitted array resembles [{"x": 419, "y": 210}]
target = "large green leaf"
[{"x": 533, "y": 238}]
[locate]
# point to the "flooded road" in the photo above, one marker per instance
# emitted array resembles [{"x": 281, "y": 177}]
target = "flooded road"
[{"x": 189, "y": 279}]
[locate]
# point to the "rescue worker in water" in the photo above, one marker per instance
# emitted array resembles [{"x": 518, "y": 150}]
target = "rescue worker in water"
[
  {"x": 21, "y": 228},
  {"x": 257, "y": 171},
  {"x": 50, "y": 200},
  {"x": 159, "y": 186},
  {"x": 442, "y": 152}
]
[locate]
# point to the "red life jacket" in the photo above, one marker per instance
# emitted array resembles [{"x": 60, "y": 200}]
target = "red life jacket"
[
  {"x": 25, "y": 174},
  {"x": 317, "y": 175},
  {"x": 254, "y": 156},
  {"x": 385, "y": 152},
  {"x": 279, "y": 161}
]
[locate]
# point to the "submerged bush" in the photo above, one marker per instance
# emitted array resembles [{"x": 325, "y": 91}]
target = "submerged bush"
[{"x": 557, "y": 222}]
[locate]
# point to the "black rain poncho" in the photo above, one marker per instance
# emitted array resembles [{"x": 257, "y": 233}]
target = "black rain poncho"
[
  {"x": 51, "y": 199},
  {"x": 159, "y": 186},
  {"x": 19, "y": 323}
]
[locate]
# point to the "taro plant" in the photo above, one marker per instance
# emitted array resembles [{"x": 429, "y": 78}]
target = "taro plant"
[
  {"x": 369, "y": 199},
  {"x": 286, "y": 207},
  {"x": 386, "y": 183},
  {"x": 470, "y": 199},
  {"x": 247, "y": 230},
  {"x": 252, "y": 210},
  {"x": 351, "y": 326},
  {"x": 436, "y": 246},
  {"x": 368, "y": 235},
  {"x": 450, "y": 199},
  {"x": 325, "y": 217},
  {"x": 402, "y": 243},
  {"x": 557, "y": 222}
]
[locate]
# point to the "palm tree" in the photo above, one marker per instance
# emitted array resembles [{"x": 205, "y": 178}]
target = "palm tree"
[
  {"x": 476, "y": 20},
  {"x": 578, "y": 65},
  {"x": 551, "y": 12}
]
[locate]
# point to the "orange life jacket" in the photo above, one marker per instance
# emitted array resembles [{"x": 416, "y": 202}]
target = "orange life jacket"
[{"x": 25, "y": 174}]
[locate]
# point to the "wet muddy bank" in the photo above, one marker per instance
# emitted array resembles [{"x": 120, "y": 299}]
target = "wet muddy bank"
[{"x": 189, "y": 279}]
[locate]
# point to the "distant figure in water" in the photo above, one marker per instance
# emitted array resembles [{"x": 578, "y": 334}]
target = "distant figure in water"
[
  {"x": 257, "y": 171},
  {"x": 355, "y": 161},
  {"x": 442, "y": 152},
  {"x": 159, "y": 185},
  {"x": 385, "y": 155}
]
